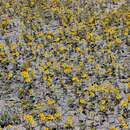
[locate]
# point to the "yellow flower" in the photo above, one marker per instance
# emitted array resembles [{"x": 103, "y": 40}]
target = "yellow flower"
[
  {"x": 17, "y": 54},
  {"x": 120, "y": 118},
  {"x": 75, "y": 79},
  {"x": 68, "y": 69},
  {"x": 42, "y": 116},
  {"x": 97, "y": 66},
  {"x": 128, "y": 85},
  {"x": 49, "y": 80},
  {"x": 30, "y": 91},
  {"x": 76, "y": 38},
  {"x": 49, "y": 63},
  {"x": 69, "y": 120},
  {"x": 53, "y": 43},
  {"x": 44, "y": 78},
  {"x": 47, "y": 71},
  {"x": 89, "y": 35},
  {"x": 13, "y": 46},
  {"x": 118, "y": 41},
  {"x": 91, "y": 19},
  {"x": 32, "y": 3},
  {"x": 111, "y": 30},
  {"x": 126, "y": 32},
  {"x": 9, "y": 126},
  {"x": 91, "y": 88},
  {"x": 30, "y": 44},
  {"x": 50, "y": 117},
  {"x": 49, "y": 36},
  {"x": 103, "y": 102},
  {"x": 33, "y": 51},
  {"x": 33, "y": 72},
  {"x": 51, "y": 101},
  {"x": 124, "y": 103},
  {"x": 39, "y": 46},
  {"x": 28, "y": 80},
  {"x": 39, "y": 106},
  {"x": 85, "y": 76},
  {"x": 91, "y": 94},
  {"x": 1, "y": 45},
  {"x": 7, "y": 5},
  {"x": 125, "y": 125},
  {"x": 98, "y": 37},
  {"x": 61, "y": 48},
  {"x": 113, "y": 128},
  {"x": 10, "y": 75},
  {"x": 25, "y": 74},
  {"x": 46, "y": 128},
  {"x": 77, "y": 49},
  {"x": 81, "y": 63},
  {"x": 128, "y": 96},
  {"x": 57, "y": 39},
  {"x": 118, "y": 96},
  {"x": 29, "y": 37},
  {"x": 102, "y": 107},
  {"x": 29, "y": 119},
  {"x": 80, "y": 109},
  {"x": 57, "y": 115},
  {"x": 82, "y": 101},
  {"x": 56, "y": 10},
  {"x": 90, "y": 59},
  {"x": 110, "y": 43}
]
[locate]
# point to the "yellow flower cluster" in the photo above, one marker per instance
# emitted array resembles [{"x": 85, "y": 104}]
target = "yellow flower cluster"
[
  {"x": 25, "y": 75},
  {"x": 29, "y": 119}
]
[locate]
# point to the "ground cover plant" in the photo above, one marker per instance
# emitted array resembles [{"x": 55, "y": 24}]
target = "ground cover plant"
[{"x": 64, "y": 65}]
